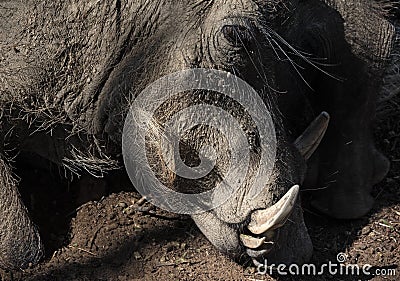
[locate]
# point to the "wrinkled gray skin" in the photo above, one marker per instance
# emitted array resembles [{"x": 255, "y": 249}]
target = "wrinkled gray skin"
[{"x": 68, "y": 70}]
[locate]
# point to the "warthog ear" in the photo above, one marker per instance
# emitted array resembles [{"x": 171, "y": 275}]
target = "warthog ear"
[
  {"x": 308, "y": 142},
  {"x": 369, "y": 33}
]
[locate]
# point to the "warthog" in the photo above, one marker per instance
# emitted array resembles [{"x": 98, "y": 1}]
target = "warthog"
[{"x": 70, "y": 70}]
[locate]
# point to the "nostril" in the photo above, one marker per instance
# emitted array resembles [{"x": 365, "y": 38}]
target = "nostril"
[{"x": 237, "y": 34}]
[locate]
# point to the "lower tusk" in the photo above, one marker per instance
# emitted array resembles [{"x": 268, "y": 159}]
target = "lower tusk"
[
  {"x": 252, "y": 242},
  {"x": 257, "y": 253},
  {"x": 274, "y": 216}
]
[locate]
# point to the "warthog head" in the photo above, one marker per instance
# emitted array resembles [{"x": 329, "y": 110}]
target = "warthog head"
[{"x": 242, "y": 38}]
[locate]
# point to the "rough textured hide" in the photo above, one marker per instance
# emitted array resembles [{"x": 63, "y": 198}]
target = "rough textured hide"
[
  {"x": 69, "y": 69},
  {"x": 366, "y": 29}
]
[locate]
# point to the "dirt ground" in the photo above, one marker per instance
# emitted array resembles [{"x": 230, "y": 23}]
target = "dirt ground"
[{"x": 100, "y": 229}]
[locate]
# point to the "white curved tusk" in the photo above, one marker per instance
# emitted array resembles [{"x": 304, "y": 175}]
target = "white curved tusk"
[{"x": 274, "y": 216}]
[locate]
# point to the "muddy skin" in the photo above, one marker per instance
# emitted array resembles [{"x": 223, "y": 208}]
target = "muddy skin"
[{"x": 69, "y": 71}]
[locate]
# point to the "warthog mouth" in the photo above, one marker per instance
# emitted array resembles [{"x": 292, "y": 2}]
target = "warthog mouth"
[
  {"x": 265, "y": 224},
  {"x": 276, "y": 232}
]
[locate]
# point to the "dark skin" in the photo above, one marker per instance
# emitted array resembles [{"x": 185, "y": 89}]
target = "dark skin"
[{"x": 86, "y": 63}]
